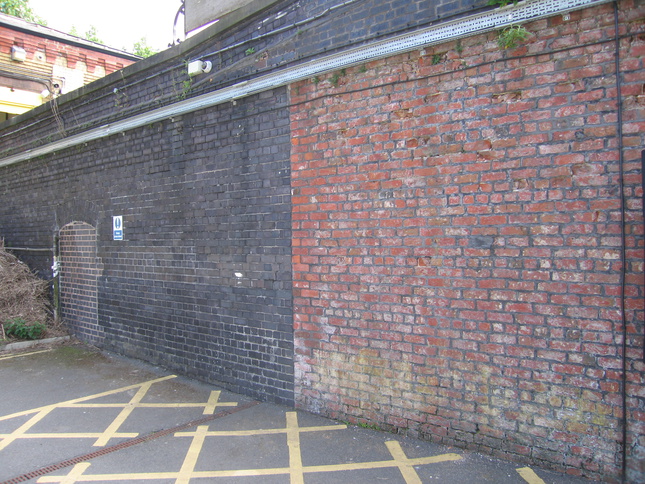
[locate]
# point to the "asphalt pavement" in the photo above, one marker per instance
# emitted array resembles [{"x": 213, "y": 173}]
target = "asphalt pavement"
[{"x": 70, "y": 413}]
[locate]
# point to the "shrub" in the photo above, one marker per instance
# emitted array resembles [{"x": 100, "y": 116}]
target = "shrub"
[
  {"x": 20, "y": 329},
  {"x": 22, "y": 294}
]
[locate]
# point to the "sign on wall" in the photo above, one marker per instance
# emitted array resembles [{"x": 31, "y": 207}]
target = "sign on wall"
[{"x": 117, "y": 227}]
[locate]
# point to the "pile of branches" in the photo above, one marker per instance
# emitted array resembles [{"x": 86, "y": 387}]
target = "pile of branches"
[{"x": 23, "y": 295}]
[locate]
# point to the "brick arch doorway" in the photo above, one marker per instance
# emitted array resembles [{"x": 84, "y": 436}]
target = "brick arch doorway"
[{"x": 80, "y": 268}]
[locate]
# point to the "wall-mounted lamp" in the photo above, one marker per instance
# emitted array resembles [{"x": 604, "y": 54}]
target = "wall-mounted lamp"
[
  {"x": 18, "y": 54},
  {"x": 199, "y": 67}
]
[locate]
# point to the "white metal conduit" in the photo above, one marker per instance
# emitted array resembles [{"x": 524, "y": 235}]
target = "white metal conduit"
[{"x": 496, "y": 19}]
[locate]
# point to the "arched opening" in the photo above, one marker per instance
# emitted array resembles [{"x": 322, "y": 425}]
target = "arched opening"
[{"x": 79, "y": 271}]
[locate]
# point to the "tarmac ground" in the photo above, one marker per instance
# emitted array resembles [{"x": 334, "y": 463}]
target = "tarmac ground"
[{"x": 71, "y": 413}]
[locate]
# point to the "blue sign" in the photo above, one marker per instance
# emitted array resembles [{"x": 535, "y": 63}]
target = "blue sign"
[{"x": 117, "y": 227}]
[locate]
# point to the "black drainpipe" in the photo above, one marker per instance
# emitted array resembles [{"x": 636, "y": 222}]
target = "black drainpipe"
[{"x": 619, "y": 133}]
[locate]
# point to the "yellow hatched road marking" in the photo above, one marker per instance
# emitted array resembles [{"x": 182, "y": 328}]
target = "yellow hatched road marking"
[
  {"x": 78, "y": 435},
  {"x": 529, "y": 475},
  {"x": 135, "y": 402},
  {"x": 22, "y": 430},
  {"x": 296, "y": 470},
  {"x": 209, "y": 409},
  {"x": 42, "y": 412},
  {"x": 76, "y": 473},
  {"x": 354, "y": 466},
  {"x": 102, "y": 438},
  {"x": 188, "y": 467},
  {"x": 68, "y": 403},
  {"x": 382, "y": 464},
  {"x": 146, "y": 405},
  {"x": 293, "y": 442},
  {"x": 278, "y": 471},
  {"x": 8, "y": 357},
  {"x": 123, "y": 416},
  {"x": 245, "y": 433},
  {"x": 403, "y": 463}
]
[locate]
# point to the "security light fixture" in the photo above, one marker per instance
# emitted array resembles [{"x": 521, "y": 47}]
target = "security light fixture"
[
  {"x": 18, "y": 54},
  {"x": 199, "y": 67}
]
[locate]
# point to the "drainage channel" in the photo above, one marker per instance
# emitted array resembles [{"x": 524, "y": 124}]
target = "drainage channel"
[{"x": 128, "y": 443}]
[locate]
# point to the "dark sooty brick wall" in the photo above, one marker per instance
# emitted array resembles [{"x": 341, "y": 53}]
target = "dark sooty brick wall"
[
  {"x": 202, "y": 281},
  {"x": 201, "y": 284}
]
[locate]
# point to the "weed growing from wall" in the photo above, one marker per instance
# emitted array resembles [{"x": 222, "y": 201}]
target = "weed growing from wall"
[
  {"x": 502, "y": 3},
  {"x": 512, "y": 36}
]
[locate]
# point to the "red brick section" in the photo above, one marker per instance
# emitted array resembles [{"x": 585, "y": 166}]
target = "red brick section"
[
  {"x": 79, "y": 273},
  {"x": 457, "y": 244}
]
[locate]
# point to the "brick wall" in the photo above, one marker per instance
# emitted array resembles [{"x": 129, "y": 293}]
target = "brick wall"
[
  {"x": 204, "y": 197},
  {"x": 440, "y": 229},
  {"x": 286, "y": 33},
  {"x": 79, "y": 271},
  {"x": 202, "y": 281},
  {"x": 457, "y": 244}
]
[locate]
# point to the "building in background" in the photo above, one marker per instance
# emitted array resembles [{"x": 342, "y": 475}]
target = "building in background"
[{"x": 37, "y": 62}]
